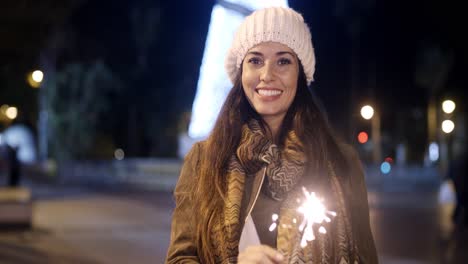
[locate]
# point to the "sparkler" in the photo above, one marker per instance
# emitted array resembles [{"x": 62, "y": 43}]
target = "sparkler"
[{"x": 314, "y": 212}]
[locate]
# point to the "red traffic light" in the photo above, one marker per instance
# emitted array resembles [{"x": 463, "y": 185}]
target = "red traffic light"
[{"x": 363, "y": 137}]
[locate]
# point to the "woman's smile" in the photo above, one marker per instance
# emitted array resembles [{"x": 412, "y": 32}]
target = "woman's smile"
[{"x": 269, "y": 94}]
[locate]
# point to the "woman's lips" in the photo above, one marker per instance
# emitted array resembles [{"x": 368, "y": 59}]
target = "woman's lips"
[{"x": 269, "y": 94}]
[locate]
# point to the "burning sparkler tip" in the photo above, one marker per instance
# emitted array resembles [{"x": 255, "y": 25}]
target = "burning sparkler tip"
[
  {"x": 313, "y": 211},
  {"x": 274, "y": 217},
  {"x": 272, "y": 227}
]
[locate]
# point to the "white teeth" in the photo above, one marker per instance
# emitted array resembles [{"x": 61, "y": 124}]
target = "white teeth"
[{"x": 269, "y": 92}]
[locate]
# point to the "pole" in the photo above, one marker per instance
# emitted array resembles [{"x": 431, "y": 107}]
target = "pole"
[
  {"x": 42, "y": 124},
  {"x": 376, "y": 138}
]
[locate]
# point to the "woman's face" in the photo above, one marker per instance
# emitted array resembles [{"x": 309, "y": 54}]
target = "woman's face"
[{"x": 269, "y": 77}]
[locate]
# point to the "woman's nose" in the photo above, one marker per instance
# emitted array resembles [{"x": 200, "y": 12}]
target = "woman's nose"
[{"x": 267, "y": 74}]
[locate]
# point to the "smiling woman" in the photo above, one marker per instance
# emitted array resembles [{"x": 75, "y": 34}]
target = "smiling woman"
[{"x": 271, "y": 142}]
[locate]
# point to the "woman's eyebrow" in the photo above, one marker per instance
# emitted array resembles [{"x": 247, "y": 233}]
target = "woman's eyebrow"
[
  {"x": 280, "y": 53},
  {"x": 256, "y": 53}
]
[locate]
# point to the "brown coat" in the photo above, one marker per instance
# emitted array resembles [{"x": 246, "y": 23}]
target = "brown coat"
[{"x": 182, "y": 248}]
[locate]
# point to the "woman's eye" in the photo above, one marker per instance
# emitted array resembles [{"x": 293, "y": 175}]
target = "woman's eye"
[
  {"x": 255, "y": 60},
  {"x": 284, "y": 61}
]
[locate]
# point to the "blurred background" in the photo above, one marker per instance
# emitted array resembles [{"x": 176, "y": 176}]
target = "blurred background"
[{"x": 100, "y": 101}]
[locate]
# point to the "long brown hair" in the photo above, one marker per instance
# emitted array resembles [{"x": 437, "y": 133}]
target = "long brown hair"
[{"x": 305, "y": 116}]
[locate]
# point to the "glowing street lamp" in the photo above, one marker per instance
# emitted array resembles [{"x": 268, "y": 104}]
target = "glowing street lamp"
[
  {"x": 35, "y": 78},
  {"x": 11, "y": 112},
  {"x": 448, "y": 126},
  {"x": 367, "y": 112},
  {"x": 448, "y": 106}
]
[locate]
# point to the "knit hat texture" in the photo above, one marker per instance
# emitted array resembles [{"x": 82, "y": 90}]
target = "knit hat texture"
[{"x": 276, "y": 24}]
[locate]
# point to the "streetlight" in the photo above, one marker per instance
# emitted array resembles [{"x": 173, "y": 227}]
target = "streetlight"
[
  {"x": 448, "y": 126},
  {"x": 11, "y": 112},
  {"x": 35, "y": 78},
  {"x": 8, "y": 113},
  {"x": 367, "y": 112},
  {"x": 448, "y": 106}
]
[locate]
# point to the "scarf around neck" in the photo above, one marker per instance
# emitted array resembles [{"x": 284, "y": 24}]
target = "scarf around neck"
[{"x": 285, "y": 165}]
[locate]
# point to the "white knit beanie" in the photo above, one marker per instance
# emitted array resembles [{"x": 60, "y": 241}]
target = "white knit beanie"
[{"x": 277, "y": 24}]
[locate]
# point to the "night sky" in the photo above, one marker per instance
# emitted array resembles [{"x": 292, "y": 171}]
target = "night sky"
[{"x": 367, "y": 51}]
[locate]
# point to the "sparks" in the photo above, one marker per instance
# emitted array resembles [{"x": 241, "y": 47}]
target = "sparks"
[{"x": 314, "y": 212}]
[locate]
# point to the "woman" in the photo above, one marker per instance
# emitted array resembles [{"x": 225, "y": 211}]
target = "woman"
[{"x": 270, "y": 140}]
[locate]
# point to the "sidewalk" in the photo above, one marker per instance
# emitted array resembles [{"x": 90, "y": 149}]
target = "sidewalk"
[{"x": 80, "y": 225}]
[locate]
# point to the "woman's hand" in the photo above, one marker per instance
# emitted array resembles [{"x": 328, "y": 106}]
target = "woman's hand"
[{"x": 260, "y": 254}]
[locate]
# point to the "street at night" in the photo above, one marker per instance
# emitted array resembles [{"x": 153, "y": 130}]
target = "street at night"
[{"x": 102, "y": 101}]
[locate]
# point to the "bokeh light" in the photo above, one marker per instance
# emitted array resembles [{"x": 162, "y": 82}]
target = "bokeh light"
[
  {"x": 385, "y": 167},
  {"x": 363, "y": 137},
  {"x": 448, "y": 106},
  {"x": 367, "y": 112},
  {"x": 11, "y": 112},
  {"x": 448, "y": 126},
  {"x": 433, "y": 151},
  {"x": 119, "y": 154},
  {"x": 37, "y": 76}
]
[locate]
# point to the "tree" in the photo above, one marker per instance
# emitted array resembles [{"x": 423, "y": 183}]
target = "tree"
[{"x": 78, "y": 96}]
